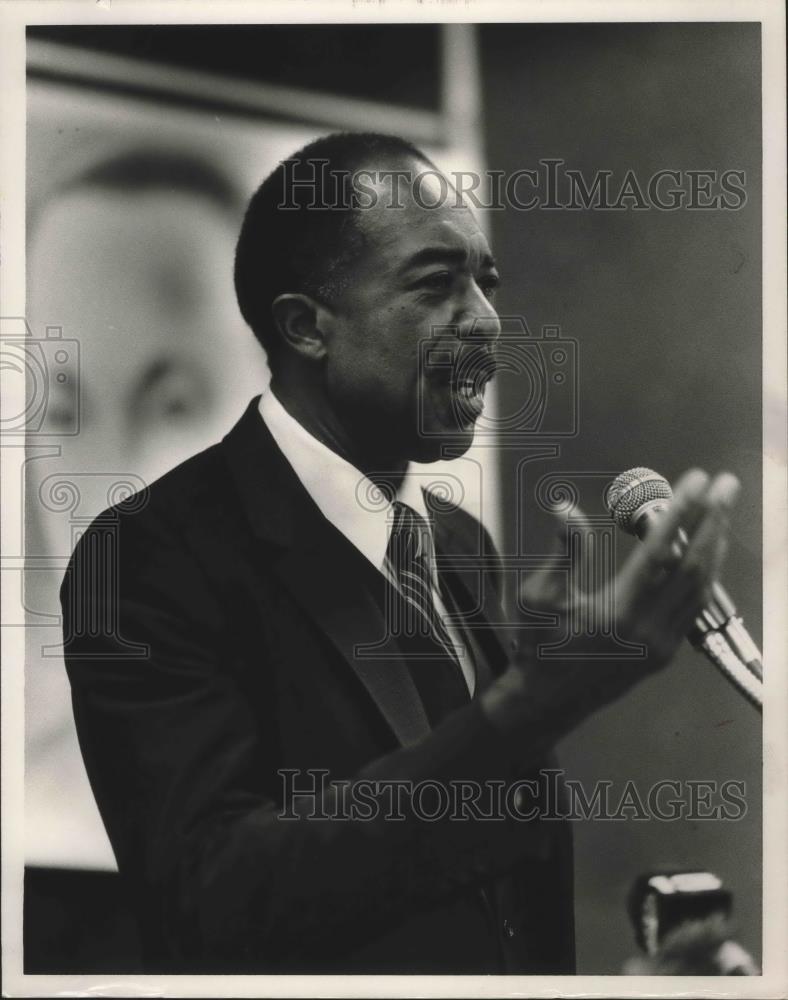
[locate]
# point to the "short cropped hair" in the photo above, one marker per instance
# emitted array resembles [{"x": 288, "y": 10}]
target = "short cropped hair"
[{"x": 290, "y": 240}]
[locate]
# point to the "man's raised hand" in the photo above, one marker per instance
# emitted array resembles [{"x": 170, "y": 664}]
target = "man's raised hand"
[{"x": 656, "y": 596}]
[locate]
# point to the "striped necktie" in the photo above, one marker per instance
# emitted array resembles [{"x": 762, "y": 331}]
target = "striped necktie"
[
  {"x": 419, "y": 629},
  {"x": 410, "y": 557}
]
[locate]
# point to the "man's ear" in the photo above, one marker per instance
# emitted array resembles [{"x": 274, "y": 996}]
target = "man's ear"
[{"x": 300, "y": 323}]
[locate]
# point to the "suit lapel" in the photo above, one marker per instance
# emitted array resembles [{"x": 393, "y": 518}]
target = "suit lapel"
[
  {"x": 461, "y": 567},
  {"x": 324, "y": 572},
  {"x": 325, "y": 583}
]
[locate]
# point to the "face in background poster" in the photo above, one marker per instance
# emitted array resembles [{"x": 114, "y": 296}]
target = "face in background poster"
[{"x": 133, "y": 210}]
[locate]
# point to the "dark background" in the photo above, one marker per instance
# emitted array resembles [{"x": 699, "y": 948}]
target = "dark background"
[
  {"x": 665, "y": 307},
  {"x": 359, "y": 60}
]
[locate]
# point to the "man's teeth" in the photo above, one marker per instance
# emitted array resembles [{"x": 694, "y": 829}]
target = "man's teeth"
[{"x": 469, "y": 388}]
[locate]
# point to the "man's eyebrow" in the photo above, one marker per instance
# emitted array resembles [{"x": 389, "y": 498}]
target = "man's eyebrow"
[{"x": 439, "y": 255}]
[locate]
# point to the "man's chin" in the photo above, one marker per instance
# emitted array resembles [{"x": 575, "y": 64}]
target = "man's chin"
[{"x": 444, "y": 444}]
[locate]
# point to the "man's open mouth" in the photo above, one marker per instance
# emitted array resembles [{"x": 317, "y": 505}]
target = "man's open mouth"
[{"x": 468, "y": 395}]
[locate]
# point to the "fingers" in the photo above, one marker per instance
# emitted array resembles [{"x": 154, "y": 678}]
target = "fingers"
[
  {"x": 706, "y": 549},
  {"x": 675, "y": 608},
  {"x": 707, "y": 546},
  {"x": 664, "y": 585},
  {"x": 684, "y": 511},
  {"x": 585, "y": 568},
  {"x": 699, "y": 510},
  {"x": 547, "y": 585}
]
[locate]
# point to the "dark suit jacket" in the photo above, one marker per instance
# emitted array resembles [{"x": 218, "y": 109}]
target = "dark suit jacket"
[{"x": 211, "y": 625}]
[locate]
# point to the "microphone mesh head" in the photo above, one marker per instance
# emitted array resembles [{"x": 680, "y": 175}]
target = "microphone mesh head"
[{"x": 633, "y": 489}]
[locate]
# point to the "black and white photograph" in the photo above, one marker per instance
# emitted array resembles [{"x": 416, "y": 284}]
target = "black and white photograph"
[{"x": 394, "y": 499}]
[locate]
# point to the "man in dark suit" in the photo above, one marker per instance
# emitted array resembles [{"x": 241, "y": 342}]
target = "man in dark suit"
[{"x": 290, "y": 611}]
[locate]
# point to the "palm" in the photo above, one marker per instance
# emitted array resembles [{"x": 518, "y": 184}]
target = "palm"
[{"x": 653, "y": 601}]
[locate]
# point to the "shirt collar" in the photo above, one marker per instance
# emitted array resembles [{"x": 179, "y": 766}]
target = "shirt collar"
[{"x": 345, "y": 496}]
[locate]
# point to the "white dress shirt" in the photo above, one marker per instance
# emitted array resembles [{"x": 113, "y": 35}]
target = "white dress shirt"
[{"x": 352, "y": 502}]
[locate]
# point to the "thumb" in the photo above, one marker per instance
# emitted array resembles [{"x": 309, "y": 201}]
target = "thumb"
[
  {"x": 567, "y": 570},
  {"x": 546, "y": 585}
]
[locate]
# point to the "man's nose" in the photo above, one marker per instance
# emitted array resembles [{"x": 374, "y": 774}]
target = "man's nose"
[
  {"x": 480, "y": 323},
  {"x": 478, "y": 338}
]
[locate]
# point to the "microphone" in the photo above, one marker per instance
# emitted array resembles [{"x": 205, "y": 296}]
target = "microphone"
[
  {"x": 682, "y": 922},
  {"x": 636, "y": 499}
]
